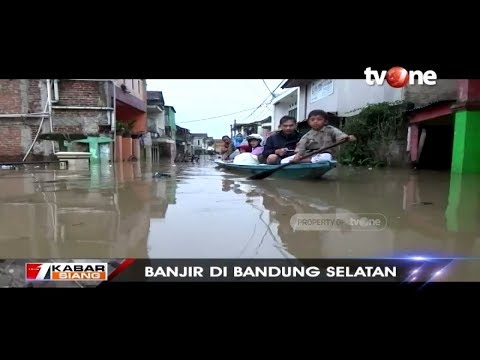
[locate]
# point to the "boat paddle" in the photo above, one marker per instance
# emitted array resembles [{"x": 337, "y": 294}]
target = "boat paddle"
[{"x": 267, "y": 173}]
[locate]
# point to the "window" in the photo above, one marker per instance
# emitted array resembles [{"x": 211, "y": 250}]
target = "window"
[
  {"x": 139, "y": 87},
  {"x": 293, "y": 112},
  {"x": 133, "y": 84}
]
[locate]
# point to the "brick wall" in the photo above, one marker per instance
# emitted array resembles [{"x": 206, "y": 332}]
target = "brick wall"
[
  {"x": 21, "y": 96},
  {"x": 81, "y": 93},
  {"x": 16, "y": 137},
  {"x": 35, "y": 103},
  {"x": 10, "y": 97},
  {"x": 9, "y": 144}
]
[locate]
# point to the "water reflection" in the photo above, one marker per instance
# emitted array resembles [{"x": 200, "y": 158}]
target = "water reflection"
[
  {"x": 282, "y": 204},
  {"x": 101, "y": 213},
  {"x": 427, "y": 213}
]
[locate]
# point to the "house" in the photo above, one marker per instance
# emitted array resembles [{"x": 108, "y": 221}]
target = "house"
[
  {"x": 36, "y": 110},
  {"x": 444, "y": 127},
  {"x": 261, "y": 127},
  {"x": 170, "y": 125},
  {"x": 343, "y": 98},
  {"x": 163, "y": 143},
  {"x": 183, "y": 139},
  {"x": 156, "y": 113},
  {"x": 131, "y": 114},
  {"x": 340, "y": 97},
  {"x": 199, "y": 141}
]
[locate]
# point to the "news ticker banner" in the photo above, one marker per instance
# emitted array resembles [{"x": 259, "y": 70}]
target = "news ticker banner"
[{"x": 92, "y": 273}]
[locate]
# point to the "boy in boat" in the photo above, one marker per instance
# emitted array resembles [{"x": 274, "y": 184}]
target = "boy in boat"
[
  {"x": 320, "y": 136},
  {"x": 281, "y": 144}
]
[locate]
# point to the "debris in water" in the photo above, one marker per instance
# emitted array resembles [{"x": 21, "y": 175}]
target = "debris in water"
[{"x": 161, "y": 175}]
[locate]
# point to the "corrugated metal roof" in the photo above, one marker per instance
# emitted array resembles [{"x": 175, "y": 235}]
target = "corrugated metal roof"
[
  {"x": 155, "y": 98},
  {"x": 291, "y": 83}
]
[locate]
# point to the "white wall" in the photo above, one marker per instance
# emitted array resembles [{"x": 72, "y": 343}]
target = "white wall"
[
  {"x": 329, "y": 103},
  {"x": 157, "y": 119},
  {"x": 282, "y": 104},
  {"x": 355, "y": 93},
  {"x": 279, "y": 110},
  {"x": 348, "y": 95}
]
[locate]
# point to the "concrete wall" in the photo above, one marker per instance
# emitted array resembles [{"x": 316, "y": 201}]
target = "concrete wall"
[
  {"x": 348, "y": 95},
  {"x": 422, "y": 95},
  {"x": 156, "y": 121}
]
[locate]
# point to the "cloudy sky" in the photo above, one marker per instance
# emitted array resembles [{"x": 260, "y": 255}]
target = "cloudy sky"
[{"x": 211, "y": 106}]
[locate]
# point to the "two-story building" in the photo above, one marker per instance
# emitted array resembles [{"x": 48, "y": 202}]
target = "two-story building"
[
  {"x": 160, "y": 123},
  {"x": 184, "y": 141},
  {"x": 341, "y": 97},
  {"x": 131, "y": 113},
  {"x": 199, "y": 141},
  {"x": 202, "y": 143}
]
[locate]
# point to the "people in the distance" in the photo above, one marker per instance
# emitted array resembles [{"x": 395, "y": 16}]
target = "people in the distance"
[
  {"x": 228, "y": 147},
  {"x": 255, "y": 143},
  {"x": 321, "y": 135},
  {"x": 244, "y": 149},
  {"x": 249, "y": 153},
  {"x": 238, "y": 140},
  {"x": 282, "y": 144}
]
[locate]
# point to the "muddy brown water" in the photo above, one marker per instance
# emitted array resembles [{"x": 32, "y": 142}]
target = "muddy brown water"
[{"x": 202, "y": 212}]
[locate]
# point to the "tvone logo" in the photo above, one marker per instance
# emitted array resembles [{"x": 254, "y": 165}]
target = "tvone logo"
[{"x": 398, "y": 77}]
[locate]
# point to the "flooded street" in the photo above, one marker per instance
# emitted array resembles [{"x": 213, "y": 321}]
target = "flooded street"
[{"x": 199, "y": 211}]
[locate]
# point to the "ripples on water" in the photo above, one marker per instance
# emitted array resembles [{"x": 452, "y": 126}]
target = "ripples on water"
[{"x": 121, "y": 211}]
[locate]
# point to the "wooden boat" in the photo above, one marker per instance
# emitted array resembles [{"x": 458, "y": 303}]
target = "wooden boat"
[{"x": 295, "y": 171}]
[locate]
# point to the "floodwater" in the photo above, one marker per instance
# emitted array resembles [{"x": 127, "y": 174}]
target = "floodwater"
[{"x": 200, "y": 211}]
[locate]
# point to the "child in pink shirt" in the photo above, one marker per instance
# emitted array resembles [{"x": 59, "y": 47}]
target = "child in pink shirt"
[{"x": 255, "y": 142}]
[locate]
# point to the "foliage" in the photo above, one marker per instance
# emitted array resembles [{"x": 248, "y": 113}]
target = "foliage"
[
  {"x": 125, "y": 129},
  {"x": 375, "y": 128}
]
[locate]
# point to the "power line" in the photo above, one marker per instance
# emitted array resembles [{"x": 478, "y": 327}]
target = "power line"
[
  {"x": 267, "y": 98},
  {"x": 268, "y": 88},
  {"x": 215, "y": 117},
  {"x": 241, "y": 111}
]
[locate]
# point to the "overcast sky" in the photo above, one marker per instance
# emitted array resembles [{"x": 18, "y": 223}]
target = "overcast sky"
[{"x": 195, "y": 100}]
